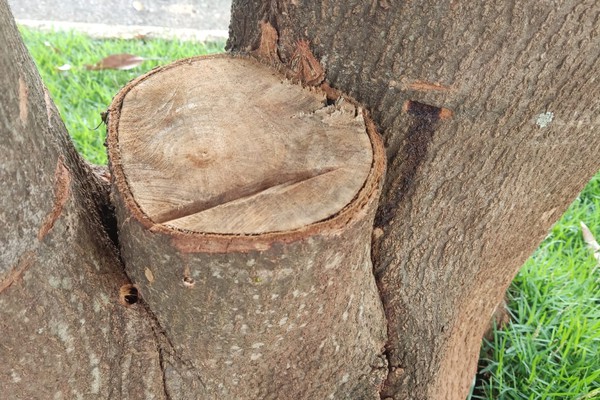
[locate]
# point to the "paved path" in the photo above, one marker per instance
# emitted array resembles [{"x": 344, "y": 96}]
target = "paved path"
[{"x": 204, "y": 17}]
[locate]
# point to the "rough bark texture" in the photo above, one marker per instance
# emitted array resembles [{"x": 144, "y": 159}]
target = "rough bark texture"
[
  {"x": 293, "y": 313},
  {"x": 64, "y": 334},
  {"x": 490, "y": 119}
]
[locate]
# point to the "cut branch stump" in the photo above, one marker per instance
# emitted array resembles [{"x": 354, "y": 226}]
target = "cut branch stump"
[{"x": 245, "y": 206}]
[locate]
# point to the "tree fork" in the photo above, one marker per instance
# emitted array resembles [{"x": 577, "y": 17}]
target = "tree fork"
[
  {"x": 519, "y": 80},
  {"x": 245, "y": 207}
]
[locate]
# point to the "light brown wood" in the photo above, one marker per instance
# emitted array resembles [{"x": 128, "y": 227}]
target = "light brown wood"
[{"x": 223, "y": 145}]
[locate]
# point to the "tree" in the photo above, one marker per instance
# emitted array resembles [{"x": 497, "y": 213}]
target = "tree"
[{"x": 489, "y": 120}]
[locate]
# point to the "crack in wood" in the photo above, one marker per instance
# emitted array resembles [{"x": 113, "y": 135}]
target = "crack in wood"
[
  {"x": 166, "y": 349},
  {"x": 280, "y": 181},
  {"x": 163, "y": 368}
]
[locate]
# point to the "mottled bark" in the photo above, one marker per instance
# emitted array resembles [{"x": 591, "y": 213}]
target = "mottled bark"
[
  {"x": 490, "y": 119},
  {"x": 64, "y": 334}
]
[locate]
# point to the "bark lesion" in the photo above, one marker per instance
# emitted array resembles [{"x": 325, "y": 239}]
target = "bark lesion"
[
  {"x": 267, "y": 50},
  {"x": 424, "y": 121},
  {"x": 62, "y": 189},
  {"x": 305, "y": 67},
  {"x": 15, "y": 273},
  {"x": 302, "y": 66}
]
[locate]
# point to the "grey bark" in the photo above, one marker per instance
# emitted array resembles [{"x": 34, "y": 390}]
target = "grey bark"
[{"x": 64, "y": 334}]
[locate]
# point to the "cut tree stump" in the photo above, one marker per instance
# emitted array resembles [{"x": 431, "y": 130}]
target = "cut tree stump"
[{"x": 259, "y": 197}]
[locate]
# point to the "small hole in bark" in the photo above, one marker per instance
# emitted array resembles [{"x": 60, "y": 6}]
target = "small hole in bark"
[
  {"x": 188, "y": 281},
  {"x": 128, "y": 294}
]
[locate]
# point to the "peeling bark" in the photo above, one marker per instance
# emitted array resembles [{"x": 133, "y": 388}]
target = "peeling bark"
[{"x": 62, "y": 183}]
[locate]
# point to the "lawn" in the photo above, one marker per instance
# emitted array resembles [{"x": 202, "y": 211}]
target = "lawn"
[{"x": 550, "y": 350}]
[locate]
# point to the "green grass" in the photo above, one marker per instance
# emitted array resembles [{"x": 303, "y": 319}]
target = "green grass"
[
  {"x": 80, "y": 94},
  {"x": 551, "y": 350}
]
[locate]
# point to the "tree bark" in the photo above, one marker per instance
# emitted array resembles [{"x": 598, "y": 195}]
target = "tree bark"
[
  {"x": 64, "y": 333},
  {"x": 490, "y": 120}
]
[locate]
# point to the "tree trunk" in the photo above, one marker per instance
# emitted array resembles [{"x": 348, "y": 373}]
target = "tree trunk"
[
  {"x": 490, "y": 121},
  {"x": 64, "y": 333}
]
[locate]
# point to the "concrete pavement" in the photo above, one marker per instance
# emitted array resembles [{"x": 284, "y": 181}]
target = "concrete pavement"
[{"x": 193, "y": 19}]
